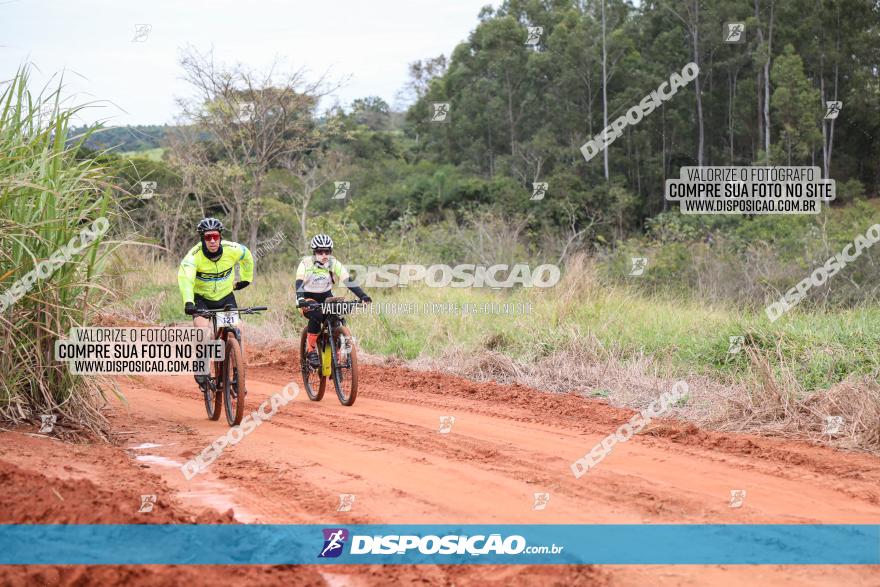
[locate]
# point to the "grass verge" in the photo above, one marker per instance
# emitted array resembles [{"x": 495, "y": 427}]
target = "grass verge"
[{"x": 49, "y": 276}]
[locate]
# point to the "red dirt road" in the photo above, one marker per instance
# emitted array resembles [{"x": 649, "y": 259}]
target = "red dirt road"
[{"x": 507, "y": 443}]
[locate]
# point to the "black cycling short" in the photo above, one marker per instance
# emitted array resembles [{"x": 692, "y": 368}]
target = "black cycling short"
[{"x": 206, "y": 304}]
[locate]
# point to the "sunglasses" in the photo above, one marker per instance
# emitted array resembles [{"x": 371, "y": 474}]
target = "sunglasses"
[
  {"x": 323, "y": 251},
  {"x": 212, "y": 236}
]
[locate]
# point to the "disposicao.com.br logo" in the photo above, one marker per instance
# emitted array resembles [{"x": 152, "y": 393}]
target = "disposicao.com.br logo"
[
  {"x": 432, "y": 544},
  {"x": 334, "y": 542}
]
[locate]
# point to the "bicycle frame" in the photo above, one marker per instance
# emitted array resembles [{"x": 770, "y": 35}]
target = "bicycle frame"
[
  {"x": 329, "y": 345},
  {"x": 331, "y": 320},
  {"x": 220, "y": 333}
]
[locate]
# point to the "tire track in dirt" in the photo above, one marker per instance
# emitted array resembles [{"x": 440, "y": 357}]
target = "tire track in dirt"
[{"x": 508, "y": 442}]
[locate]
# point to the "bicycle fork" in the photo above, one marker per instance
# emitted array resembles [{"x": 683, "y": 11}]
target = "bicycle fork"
[{"x": 326, "y": 359}]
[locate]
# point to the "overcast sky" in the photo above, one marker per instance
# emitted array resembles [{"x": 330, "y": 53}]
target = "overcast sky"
[{"x": 92, "y": 40}]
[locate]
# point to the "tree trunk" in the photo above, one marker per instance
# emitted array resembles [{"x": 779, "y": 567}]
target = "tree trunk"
[
  {"x": 491, "y": 153},
  {"x": 510, "y": 122},
  {"x": 663, "y": 150},
  {"x": 836, "y": 72},
  {"x": 767, "y": 84},
  {"x": 731, "y": 110},
  {"x": 302, "y": 220},
  {"x": 695, "y": 33},
  {"x": 825, "y": 164},
  {"x": 253, "y": 232},
  {"x": 758, "y": 83},
  {"x": 604, "y": 90},
  {"x": 757, "y": 142},
  {"x": 236, "y": 216},
  {"x": 638, "y": 172},
  {"x": 590, "y": 132}
]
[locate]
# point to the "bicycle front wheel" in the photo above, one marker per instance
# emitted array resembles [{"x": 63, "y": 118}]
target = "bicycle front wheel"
[
  {"x": 234, "y": 384},
  {"x": 313, "y": 381},
  {"x": 214, "y": 397},
  {"x": 345, "y": 365}
]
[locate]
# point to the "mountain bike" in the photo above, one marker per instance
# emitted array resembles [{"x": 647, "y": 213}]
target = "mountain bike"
[
  {"x": 226, "y": 384},
  {"x": 338, "y": 353}
]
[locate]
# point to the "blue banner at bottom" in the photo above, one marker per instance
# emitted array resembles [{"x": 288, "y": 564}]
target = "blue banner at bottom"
[{"x": 747, "y": 544}]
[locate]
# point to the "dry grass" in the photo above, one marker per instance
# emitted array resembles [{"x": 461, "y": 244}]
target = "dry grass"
[
  {"x": 146, "y": 309},
  {"x": 775, "y": 405},
  {"x": 769, "y": 405}
]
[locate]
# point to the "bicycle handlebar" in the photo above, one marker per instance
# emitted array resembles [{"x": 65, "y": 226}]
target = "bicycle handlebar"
[{"x": 253, "y": 310}]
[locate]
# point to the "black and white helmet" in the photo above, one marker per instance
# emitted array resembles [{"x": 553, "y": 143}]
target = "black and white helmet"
[
  {"x": 209, "y": 224},
  {"x": 322, "y": 241}
]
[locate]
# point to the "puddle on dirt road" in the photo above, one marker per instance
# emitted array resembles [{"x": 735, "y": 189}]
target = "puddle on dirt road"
[
  {"x": 215, "y": 495},
  {"x": 144, "y": 445},
  {"x": 202, "y": 492},
  {"x": 157, "y": 460}
]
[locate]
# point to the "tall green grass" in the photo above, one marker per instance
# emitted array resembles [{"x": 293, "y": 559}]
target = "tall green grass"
[
  {"x": 47, "y": 196},
  {"x": 679, "y": 334}
]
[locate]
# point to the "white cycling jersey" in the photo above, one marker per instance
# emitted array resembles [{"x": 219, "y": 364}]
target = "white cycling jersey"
[{"x": 319, "y": 278}]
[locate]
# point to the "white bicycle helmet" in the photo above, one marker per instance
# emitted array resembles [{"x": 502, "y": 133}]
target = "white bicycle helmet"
[{"x": 322, "y": 241}]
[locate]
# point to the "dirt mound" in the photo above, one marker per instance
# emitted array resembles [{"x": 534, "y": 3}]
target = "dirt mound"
[{"x": 33, "y": 498}]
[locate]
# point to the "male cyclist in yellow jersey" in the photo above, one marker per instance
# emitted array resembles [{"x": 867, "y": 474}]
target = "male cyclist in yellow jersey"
[
  {"x": 315, "y": 278},
  {"x": 207, "y": 275}
]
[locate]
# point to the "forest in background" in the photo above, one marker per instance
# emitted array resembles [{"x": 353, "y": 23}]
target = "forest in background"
[{"x": 460, "y": 191}]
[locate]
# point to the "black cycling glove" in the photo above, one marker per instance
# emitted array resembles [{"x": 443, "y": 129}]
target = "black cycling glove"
[
  {"x": 189, "y": 309},
  {"x": 241, "y": 285}
]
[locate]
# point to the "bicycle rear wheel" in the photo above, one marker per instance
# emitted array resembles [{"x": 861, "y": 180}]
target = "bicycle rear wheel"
[
  {"x": 345, "y": 368},
  {"x": 234, "y": 384},
  {"x": 313, "y": 381}
]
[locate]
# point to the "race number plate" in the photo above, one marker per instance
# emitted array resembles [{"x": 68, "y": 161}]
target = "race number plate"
[{"x": 227, "y": 318}]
